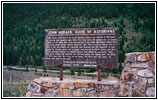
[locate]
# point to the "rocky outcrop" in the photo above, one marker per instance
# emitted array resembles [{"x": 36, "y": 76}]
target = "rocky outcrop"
[
  {"x": 138, "y": 75},
  {"x": 137, "y": 80}
]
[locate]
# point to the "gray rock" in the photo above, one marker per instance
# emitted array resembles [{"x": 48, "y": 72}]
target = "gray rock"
[
  {"x": 145, "y": 73},
  {"x": 130, "y": 58},
  {"x": 141, "y": 85},
  {"x": 139, "y": 65},
  {"x": 151, "y": 80},
  {"x": 143, "y": 57},
  {"x": 34, "y": 87},
  {"x": 79, "y": 92},
  {"x": 150, "y": 92},
  {"x": 110, "y": 93},
  {"x": 91, "y": 94}
]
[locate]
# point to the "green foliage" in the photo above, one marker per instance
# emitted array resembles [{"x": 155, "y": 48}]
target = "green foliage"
[
  {"x": 121, "y": 55},
  {"x": 149, "y": 24},
  {"x": 90, "y": 70},
  {"x": 115, "y": 70},
  {"x": 137, "y": 25},
  {"x": 122, "y": 23},
  {"x": 7, "y": 93},
  {"x": 72, "y": 71},
  {"x": 44, "y": 69},
  {"x": 41, "y": 74},
  {"x": 14, "y": 89},
  {"x": 79, "y": 72},
  {"x": 107, "y": 71},
  {"x": 35, "y": 68},
  {"x": 27, "y": 68},
  {"x": 120, "y": 30},
  {"x": 120, "y": 68},
  {"x": 24, "y": 24}
]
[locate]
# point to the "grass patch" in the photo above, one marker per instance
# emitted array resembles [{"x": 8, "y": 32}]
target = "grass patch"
[
  {"x": 7, "y": 93},
  {"x": 14, "y": 89},
  {"x": 40, "y": 74}
]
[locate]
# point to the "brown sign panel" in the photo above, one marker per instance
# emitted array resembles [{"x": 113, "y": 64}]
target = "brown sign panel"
[{"x": 83, "y": 47}]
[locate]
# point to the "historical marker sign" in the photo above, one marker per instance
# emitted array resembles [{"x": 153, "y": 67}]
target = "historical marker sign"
[{"x": 85, "y": 47}]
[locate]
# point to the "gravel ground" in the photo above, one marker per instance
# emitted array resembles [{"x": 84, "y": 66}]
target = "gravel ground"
[
  {"x": 18, "y": 76},
  {"x": 23, "y": 76}
]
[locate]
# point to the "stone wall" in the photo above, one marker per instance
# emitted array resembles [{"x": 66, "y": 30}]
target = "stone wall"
[
  {"x": 138, "y": 75},
  {"x": 52, "y": 87},
  {"x": 137, "y": 80}
]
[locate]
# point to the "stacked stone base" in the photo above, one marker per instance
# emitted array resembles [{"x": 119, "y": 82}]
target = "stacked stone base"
[
  {"x": 138, "y": 75},
  {"x": 52, "y": 87},
  {"x": 137, "y": 80}
]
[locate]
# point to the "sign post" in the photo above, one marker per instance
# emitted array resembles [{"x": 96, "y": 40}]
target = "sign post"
[
  {"x": 81, "y": 47},
  {"x": 61, "y": 73},
  {"x": 99, "y": 73}
]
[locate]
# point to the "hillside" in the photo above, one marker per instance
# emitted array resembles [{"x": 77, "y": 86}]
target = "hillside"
[{"x": 24, "y": 24}]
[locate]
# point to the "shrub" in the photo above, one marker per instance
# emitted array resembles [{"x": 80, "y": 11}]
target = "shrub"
[{"x": 72, "y": 71}]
